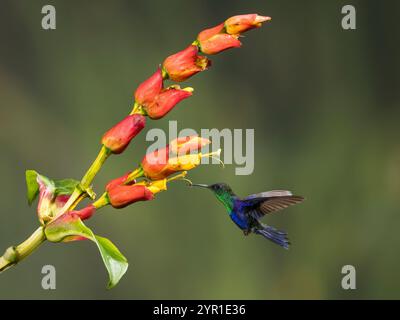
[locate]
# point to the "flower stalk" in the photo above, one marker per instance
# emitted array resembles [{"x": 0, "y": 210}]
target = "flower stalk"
[
  {"x": 13, "y": 255},
  {"x": 95, "y": 167}
]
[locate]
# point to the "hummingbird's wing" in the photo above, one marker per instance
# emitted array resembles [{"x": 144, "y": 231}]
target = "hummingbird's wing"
[
  {"x": 258, "y": 205},
  {"x": 268, "y": 194}
]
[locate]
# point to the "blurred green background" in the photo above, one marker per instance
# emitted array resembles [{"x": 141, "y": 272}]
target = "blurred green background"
[{"x": 324, "y": 103}]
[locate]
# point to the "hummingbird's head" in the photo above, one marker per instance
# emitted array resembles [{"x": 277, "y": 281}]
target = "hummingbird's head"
[
  {"x": 218, "y": 188},
  {"x": 221, "y": 188},
  {"x": 222, "y": 191}
]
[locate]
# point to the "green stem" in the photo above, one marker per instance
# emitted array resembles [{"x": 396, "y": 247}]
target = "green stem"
[
  {"x": 137, "y": 109},
  {"x": 15, "y": 254},
  {"x": 137, "y": 173},
  {"x": 102, "y": 201},
  {"x": 95, "y": 167}
]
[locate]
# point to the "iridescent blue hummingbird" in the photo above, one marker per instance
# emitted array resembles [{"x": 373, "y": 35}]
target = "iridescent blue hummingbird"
[{"x": 247, "y": 212}]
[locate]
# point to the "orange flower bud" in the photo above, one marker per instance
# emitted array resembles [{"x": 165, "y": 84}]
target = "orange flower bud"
[
  {"x": 178, "y": 146},
  {"x": 154, "y": 100},
  {"x": 215, "y": 40},
  {"x": 166, "y": 101},
  {"x": 149, "y": 89},
  {"x": 173, "y": 158},
  {"x": 85, "y": 213},
  {"x": 122, "y": 196},
  {"x": 119, "y": 181},
  {"x": 244, "y": 22},
  {"x": 184, "y": 145},
  {"x": 154, "y": 163},
  {"x": 118, "y": 137},
  {"x": 184, "y": 64}
]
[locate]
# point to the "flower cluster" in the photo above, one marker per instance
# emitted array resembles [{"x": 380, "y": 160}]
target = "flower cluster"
[
  {"x": 155, "y": 100},
  {"x": 152, "y": 99},
  {"x": 181, "y": 155},
  {"x": 225, "y": 35},
  {"x": 61, "y": 222}
]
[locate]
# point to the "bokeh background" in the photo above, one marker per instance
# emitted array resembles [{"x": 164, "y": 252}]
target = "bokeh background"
[{"x": 324, "y": 103}]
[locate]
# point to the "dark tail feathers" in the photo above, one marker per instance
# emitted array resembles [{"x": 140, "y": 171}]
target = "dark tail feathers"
[{"x": 277, "y": 236}]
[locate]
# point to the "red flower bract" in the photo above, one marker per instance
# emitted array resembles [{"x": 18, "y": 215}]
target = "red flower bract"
[
  {"x": 149, "y": 89},
  {"x": 118, "y": 137},
  {"x": 86, "y": 212},
  {"x": 122, "y": 196},
  {"x": 215, "y": 40},
  {"x": 166, "y": 101},
  {"x": 156, "y": 101},
  {"x": 184, "y": 64},
  {"x": 118, "y": 181},
  {"x": 156, "y": 164},
  {"x": 241, "y": 23},
  {"x": 187, "y": 144}
]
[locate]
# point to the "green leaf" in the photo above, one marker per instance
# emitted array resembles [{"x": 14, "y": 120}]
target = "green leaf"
[
  {"x": 69, "y": 226},
  {"x": 52, "y": 194},
  {"x": 61, "y": 187},
  {"x": 32, "y": 187},
  {"x": 66, "y": 226},
  {"x": 65, "y": 187},
  {"x": 113, "y": 259}
]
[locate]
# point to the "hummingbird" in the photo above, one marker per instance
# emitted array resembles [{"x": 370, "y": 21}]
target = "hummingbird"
[{"x": 247, "y": 212}]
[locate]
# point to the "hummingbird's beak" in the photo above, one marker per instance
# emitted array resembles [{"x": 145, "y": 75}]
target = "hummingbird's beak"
[{"x": 200, "y": 185}]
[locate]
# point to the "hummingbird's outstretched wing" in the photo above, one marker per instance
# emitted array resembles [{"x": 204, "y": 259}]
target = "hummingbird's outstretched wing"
[{"x": 258, "y": 205}]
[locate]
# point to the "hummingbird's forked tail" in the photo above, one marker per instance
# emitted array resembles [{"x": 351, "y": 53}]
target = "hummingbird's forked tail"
[{"x": 276, "y": 236}]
